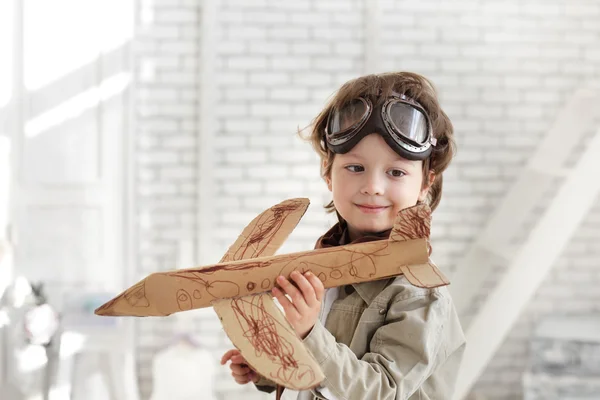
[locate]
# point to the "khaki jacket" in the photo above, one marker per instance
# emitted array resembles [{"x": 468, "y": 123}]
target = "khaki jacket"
[
  {"x": 385, "y": 339},
  {"x": 388, "y": 340}
]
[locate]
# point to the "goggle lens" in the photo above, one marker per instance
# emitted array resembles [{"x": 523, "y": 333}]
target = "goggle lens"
[
  {"x": 408, "y": 121},
  {"x": 348, "y": 118}
]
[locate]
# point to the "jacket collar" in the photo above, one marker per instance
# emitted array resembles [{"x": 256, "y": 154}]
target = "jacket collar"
[
  {"x": 338, "y": 236},
  {"x": 369, "y": 290}
]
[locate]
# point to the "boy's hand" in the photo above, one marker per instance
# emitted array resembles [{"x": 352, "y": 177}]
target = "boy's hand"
[
  {"x": 240, "y": 370},
  {"x": 303, "y": 310}
]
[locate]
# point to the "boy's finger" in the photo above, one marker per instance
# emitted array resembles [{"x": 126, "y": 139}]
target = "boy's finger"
[
  {"x": 317, "y": 285},
  {"x": 293, "y": 292},
  {"x": 228, "y": 355},
  {"x": 239, "y": 369},
  {"x": 307, "y": 289},
  {"x": 253, "y": 376},
  {"x": 241, "y": 379},
  {"x": 290, "y": 311},
  {"x": 238, "y": 359}
]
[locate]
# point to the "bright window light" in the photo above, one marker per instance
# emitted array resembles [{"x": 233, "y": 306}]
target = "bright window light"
[{"x": 6, "y": 62}]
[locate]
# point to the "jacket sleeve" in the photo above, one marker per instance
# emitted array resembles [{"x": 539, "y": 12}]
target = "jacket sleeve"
[
  {"x": 265, "y": 385},
  {"x": 402, "y": 354}
]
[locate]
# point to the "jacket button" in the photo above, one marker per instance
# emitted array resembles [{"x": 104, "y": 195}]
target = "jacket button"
[{"x": 382, "y": 311}]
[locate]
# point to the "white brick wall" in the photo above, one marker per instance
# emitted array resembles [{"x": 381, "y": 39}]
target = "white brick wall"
[
  {"x": 502, "y": 68},
  {"x": 166, "y": 110}
]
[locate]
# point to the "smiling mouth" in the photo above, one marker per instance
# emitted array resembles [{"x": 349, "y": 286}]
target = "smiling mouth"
[{"x": 371, "y": 209}]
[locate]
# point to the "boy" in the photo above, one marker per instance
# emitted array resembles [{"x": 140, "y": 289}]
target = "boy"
[{"x": 384, "y": 143}]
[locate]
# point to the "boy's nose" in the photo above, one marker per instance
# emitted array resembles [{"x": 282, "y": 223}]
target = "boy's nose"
[{"x": 373, "y": 185}]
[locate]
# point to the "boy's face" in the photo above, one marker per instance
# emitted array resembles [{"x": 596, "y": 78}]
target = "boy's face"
[{"x": 371, "y": 183}]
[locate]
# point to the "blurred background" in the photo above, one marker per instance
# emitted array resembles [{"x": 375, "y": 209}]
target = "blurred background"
[{"x": 142, "y": 135}]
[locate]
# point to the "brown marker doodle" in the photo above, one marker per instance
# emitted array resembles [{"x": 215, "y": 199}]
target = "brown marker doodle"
[
  {"x": 266, "y": 230},
  {"x": 184, "y": 301},
  {"x": 260, "y": 329},
  {"x": 136, "y": 296}
]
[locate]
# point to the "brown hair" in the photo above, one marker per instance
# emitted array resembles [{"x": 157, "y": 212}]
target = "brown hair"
[{"x": 377, "y": 88}]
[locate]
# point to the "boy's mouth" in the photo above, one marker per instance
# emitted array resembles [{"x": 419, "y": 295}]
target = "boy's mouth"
[{"x": 371, "y": 208}]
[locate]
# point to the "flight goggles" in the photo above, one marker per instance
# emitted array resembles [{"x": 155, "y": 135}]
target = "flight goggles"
[{"x": 400, "y": 120}]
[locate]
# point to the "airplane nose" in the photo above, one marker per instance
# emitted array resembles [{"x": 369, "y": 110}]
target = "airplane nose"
[{"x": 132, "y": 300}]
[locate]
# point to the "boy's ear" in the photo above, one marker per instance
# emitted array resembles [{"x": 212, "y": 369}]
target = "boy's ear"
[
  {"x": 329, "y": 186},
  {"x": 425, "y": 189},
  {"x": 327, "y": 178}
]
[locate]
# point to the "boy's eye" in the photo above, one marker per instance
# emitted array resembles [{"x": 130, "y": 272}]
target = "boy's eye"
[
  {"x": 355, "y": 168},
  {"x": 397, "y": 173}
]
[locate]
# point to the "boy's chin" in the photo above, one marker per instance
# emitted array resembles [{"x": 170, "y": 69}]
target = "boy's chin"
[{"x": 373, "y": 230}]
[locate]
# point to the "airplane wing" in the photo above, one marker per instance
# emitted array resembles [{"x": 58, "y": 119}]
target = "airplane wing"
[{"x": 254, "y": 324}]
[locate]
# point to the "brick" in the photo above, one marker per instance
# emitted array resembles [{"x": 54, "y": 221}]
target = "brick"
[
  {"x": 238, "y": 109},
  {"x": 159, "y": 94},
  {"x": 477, "y": 110},
  {"x": 270, "y": 109},
  {"x": 419, "y": 65},
  {"x": 267, "y": 17},
  {"x": 178, "y": 78},
  {"x": 229, "y": 172},
  {"x": 310, "y": 18},
  {"x": 243, "y": 4},
  {"x": 270, "y": 141},
  {"x": 481, "y": 51},
  {"x": 268, "y": 172},
  {"x": 245, "y": 156},
  {"x": 458, "y": 35},
  {"x": 178, "y": 173},
  {"x": 481, "y": 81},
  {"x": 246, "y": 32},
  {"x": 162, "y": 32},
  {"x": 462, "y": 66},
  {"x": 178, "y": 142},
  {"x": 237, "y": 217},
  {"x": 312, "y": 79},
  {"x": 289, "y": 156},
  {"x": 288, "y": 32},
  {"x": 176, "y": 16},
  {"x": 232, "y": 17},
  {"x": 331, "y": 64},
  {"x": 269, "y": 48},
  {"x": 290, "y": 93},
  {"x": 245, "y": 125},
  {"x": 311, "y": 48},
  {"x": 522, "y": 82},
  {"x": 247, "y": 62},
  {"x": 289, "y": 63},
  {"x": 228, "y": 142},
  {"x": 348, "y": 48},
  {"x": 157, "y": 158},
  {"x": 269, "y": 78},
  {"x": 154, "y": 189},
  {"x": 329, "y": 33},
  {"x": 190, "y": 32},
  {"x": 241, "y": 188},
  {"x": 231, "y": 47},
  {"x": 285, "y": 187},
  {"x": 245, "y": 93}
]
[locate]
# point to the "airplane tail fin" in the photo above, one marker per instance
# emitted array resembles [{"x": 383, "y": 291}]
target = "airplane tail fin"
[
  {"x": 415, "y": 223},
  {"x": 412, "y": 223},
  {"x": 424, "y": 275}
]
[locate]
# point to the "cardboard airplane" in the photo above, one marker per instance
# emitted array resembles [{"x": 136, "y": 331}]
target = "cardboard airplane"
[{"x": 237, "y": 287}]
